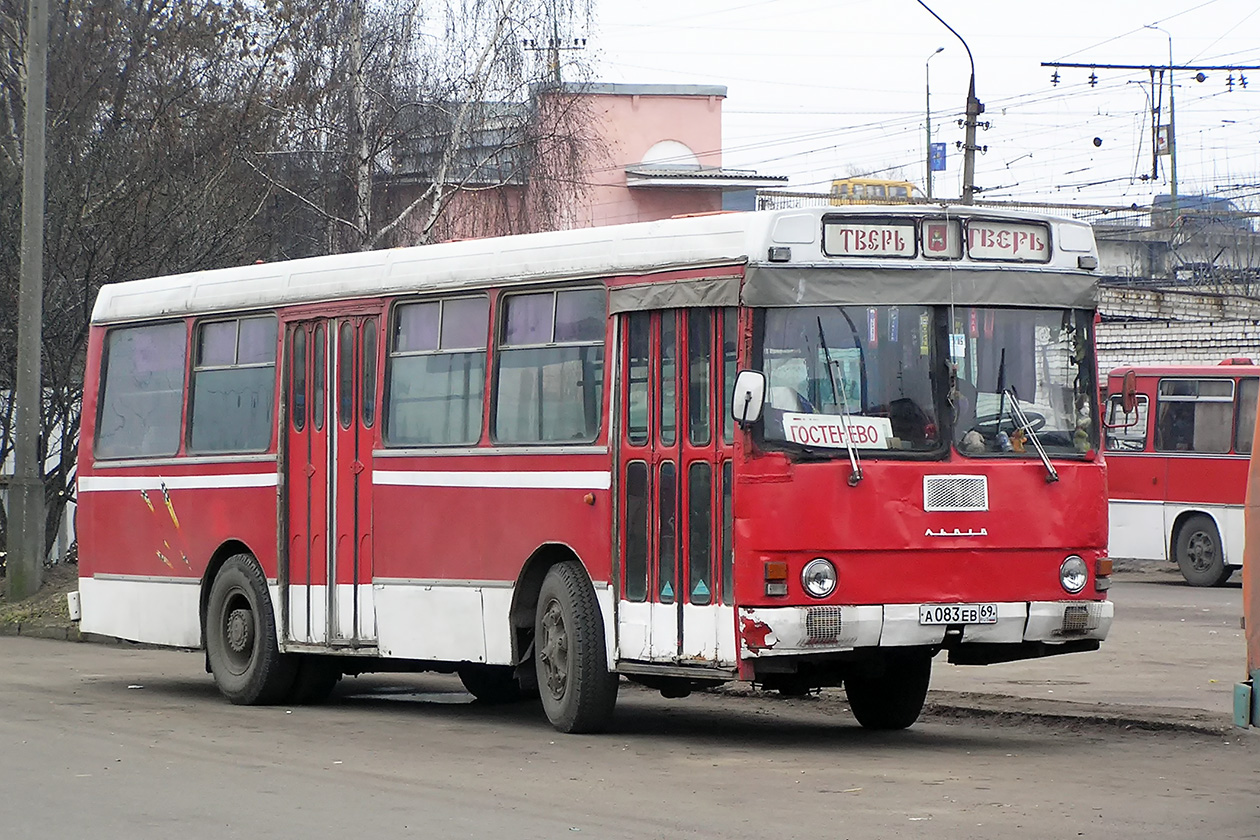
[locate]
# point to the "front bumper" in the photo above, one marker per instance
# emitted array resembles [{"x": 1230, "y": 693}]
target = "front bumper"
[{"x": 794, "y": 631}]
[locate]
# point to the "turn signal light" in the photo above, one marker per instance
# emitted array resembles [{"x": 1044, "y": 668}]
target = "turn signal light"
[
  {"x": 1102, "y": 574},
  {"x": 776, "y": 578}
]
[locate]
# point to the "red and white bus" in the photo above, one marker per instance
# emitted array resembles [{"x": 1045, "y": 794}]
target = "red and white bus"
[
  {"x": 803, "y": 448},
  {"x": 1177, "y": 464}
]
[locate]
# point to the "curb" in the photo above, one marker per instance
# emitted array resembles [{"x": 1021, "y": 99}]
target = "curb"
[
  {"x": 61, "y": 633},
  {"x": 58, "y": 632},
  {"x": 1001, "y": 707}
]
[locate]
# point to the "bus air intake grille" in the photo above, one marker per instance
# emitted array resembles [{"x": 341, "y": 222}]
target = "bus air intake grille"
[
  {"x": 955, "y": 492},
  {"x": 1080, "y": 618},
  {"x": 822, "y": 625}
]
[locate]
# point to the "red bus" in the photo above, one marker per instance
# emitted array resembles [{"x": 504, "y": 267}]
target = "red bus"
[
  {"x": 803, "y": 448},
  {"x": 1177, "y": 464}
]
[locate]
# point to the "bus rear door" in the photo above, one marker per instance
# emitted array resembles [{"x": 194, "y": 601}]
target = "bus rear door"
[{"x": 331, "y": 415}]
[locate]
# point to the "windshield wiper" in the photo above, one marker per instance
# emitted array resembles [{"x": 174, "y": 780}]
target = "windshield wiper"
[
  {"x": 855, "y": 474},
  {"x": 1025, "y": 426}
]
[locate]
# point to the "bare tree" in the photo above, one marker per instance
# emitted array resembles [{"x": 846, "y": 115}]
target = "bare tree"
[
  {"x": 149, "y": 105},
  {"x": 421, "y": 103},
  {"x": 190, "y": 134}
]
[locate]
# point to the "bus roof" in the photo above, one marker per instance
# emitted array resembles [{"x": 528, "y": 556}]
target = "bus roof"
[
  {"x": 643, "y": 248},
  {"x": 1226, "y": 368}
]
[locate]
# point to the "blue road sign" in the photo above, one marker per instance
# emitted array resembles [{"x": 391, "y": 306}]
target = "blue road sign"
[{"x": 938, "y": 157}]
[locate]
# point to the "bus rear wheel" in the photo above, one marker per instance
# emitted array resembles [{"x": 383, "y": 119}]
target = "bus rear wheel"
[
  {"x": 891, "y": 696},
  {"x": 578, "y": 691},
  {"x": 1199, "y": 554},
  {"x": 246, "y": 661}
]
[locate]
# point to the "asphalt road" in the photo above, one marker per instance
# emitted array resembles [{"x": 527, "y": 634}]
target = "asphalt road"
[
  {"x": 1172, "y": 646},
  {"x": 112, "y": 743}
]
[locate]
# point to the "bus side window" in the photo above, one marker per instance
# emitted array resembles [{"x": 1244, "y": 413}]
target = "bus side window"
[
  {"x": 1129, "y": 432},
  {"x": 550, "y": 362},
  {"x": 233, "y": 386},
  {"x": 1245, "y": 427},
  {"x": 435, "y": 372},
  {"x": 1194, "y": 415},
  {"x": 142, "y": 387}
]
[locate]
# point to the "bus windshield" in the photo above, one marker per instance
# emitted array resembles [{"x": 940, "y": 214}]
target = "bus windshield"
[
  {"x": 837, "y": 375},
  {"x": 1038, "y": 362},
  {"x": 863, "y": 376}
]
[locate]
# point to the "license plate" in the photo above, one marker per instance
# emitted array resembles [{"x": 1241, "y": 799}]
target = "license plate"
[{"x": 958, "y": 614}]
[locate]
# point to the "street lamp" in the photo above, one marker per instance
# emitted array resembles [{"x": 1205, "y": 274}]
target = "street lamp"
[
  {"x": 927, "y": 86},
  {"x": 974, "y": 110},
  {"x": 1172, "y": 122}
]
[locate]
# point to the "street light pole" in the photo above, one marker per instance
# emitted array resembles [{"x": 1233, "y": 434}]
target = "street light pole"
[
  {"x": 927, "y": 87},
  {"x": 1172, "y": 122},
  {"x": 974, "y": 109}
]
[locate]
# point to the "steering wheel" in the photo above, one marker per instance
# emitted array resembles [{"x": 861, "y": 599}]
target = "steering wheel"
[{"x": 990, "y": 423}]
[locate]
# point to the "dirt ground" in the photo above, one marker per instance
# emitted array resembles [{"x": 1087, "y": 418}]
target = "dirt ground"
[{"x": 48, "y": 606}]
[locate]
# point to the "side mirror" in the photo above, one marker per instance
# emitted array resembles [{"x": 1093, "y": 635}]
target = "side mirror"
[
  {"x": 748, "y": 397},
  {"x": 1128, "y": 392}
]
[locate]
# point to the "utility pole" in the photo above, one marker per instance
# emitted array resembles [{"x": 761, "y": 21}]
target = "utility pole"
[
  {"x": 1172, "y": 122},
  {"x": 26, "y": 512},
  {"x": 553, "y": 48},
  {"x": 974, "y": 109}
]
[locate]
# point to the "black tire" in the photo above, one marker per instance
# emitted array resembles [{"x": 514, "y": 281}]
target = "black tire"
[
  {"x": 491, "y": 684},
  {"x": 1198, "y": 552},
  {"x": 890, "y": 697},
  {"x": 316, "y": 678},
  {"x": 241, "y": 637},
  {"x": 578, "y": 692}
]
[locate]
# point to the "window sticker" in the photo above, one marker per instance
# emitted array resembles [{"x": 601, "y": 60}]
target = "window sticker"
[{"x": 831, "y": 431}]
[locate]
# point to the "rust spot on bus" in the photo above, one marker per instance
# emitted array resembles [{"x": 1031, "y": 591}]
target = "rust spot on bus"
[{"x": 756, "y": 634}]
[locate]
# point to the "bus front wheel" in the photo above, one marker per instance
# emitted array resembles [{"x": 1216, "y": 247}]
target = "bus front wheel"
[
  {"x": 245, "y": 658},
  {"x": 1199, "y": 554},
  {"x": 891, "y": 696},
  {"x": 578, "y": 692}
]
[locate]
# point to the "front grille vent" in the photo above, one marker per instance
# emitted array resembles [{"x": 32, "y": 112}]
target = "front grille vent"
[
  {"x": 955, "y": 492},
  {"x": 822, "y": 625},
  {"x": 1080, "y": 618}
]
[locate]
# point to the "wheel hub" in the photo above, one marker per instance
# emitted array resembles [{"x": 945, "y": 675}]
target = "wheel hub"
[
  {"x": 553, "y": 651},
  {"x": 1200, "y": 550},
  {"x": 240, "y": 630}
]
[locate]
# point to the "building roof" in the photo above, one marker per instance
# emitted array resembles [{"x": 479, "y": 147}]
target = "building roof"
[
  {"x": 705, "y": 176},
  {"x": 615, "y": 89}
]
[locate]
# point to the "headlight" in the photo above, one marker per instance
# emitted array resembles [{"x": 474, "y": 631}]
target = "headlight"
[
  {"x": 819, "y": 577},
  {"x": 1073, "y": 574}
]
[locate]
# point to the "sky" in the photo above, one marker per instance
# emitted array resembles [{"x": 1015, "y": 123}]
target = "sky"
[{"x": 819, "y": 89}]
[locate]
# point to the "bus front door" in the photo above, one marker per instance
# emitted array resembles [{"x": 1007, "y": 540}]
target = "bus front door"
[
  {"x": 328, "y": 489},
  {"x": 675, "y": 490}
]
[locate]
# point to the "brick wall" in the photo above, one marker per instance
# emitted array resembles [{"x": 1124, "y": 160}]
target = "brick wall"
[{"x": 1159, "y": 326}]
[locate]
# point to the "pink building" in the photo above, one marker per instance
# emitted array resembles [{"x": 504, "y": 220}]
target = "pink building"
[
  {"x": 650, "y": 152},
  {"x": 663, "y": 149}
]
